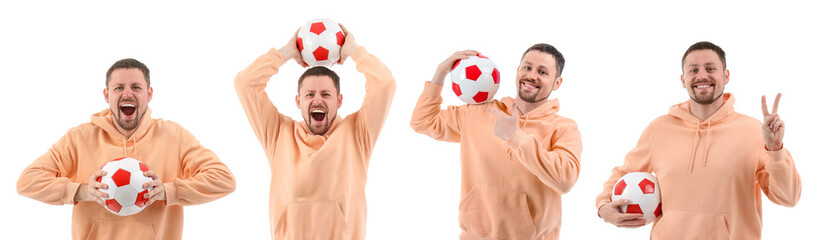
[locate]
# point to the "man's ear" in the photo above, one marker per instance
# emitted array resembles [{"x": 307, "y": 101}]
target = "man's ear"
[
  {"x": 298, "y": 101},
  {"x": 557, "y": 83},
  {"x": 106, "y": 97},
  {"x": 339, "y": 100},
  {"x": 150, "y": 93}
]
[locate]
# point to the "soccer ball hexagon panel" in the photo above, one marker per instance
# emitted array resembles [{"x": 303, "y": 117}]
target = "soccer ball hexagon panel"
[
  {"x": 475, "y": 80},
  {"x": 124, "y": 178},
  {"x": 320, "y": 41},
  {"x": 643, "y": 194}
]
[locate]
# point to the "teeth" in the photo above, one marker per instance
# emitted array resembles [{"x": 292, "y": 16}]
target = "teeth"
[
  {"x": 317, "y": 111},
  {"x": 128, "y": 105},
  {"x": 703, "y": 86}
]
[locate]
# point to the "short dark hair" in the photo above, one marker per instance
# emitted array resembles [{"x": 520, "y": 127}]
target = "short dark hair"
[
  {"x": 128, "y": 63},
  {"x": 546, "y": 48},
  {"x": 705, "y": 45},
  {"x": 320, "y": 71}
]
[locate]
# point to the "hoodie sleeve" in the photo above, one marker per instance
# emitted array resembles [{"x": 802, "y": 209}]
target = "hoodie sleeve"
[
  {"x": 637, "y": 160},
  {"x": 429, "y": 119},
  {"x": 379, "y": 89},
  {"x": 251, "y": 89},
  {"x": 555, "y": 163},
  {"x": 203, "y": 178},
  {"x": 779, "y": 178},
  {"x": 47, "y": 179}
]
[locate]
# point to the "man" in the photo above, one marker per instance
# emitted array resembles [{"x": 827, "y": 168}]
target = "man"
[
  {"x": 711, "y": 162},
  {"x": 183, "y": 171},
  {"x": 319, "y": 166},
  {"x": 518, "y": 156}
]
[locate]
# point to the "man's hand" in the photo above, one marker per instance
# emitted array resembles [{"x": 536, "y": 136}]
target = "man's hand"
[
  {"x": 445, "y": 67},
  {"x": 348, "y": 47},
  {"x": 90, "y": 192},
  {"x": 290, "y": 50},
  {"x": 155, "y": 187},
  {"x": 505, "y": 126},
  {"x": 610, "y": 213},
  {"x": 773, "y": 126}
]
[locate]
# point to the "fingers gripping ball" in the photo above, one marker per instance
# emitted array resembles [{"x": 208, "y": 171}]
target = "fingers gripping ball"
[
  {"x": 475, "y": 80},
  {"x": 124, "y": 179},
  {"x": 642, "y": 191},
  {"x": 320, "y": 41}
]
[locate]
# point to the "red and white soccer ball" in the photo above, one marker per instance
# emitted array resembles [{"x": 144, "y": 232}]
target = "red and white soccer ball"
[
  {"x": 642, "y": 191},
  {"x": 320, "y": 41},
  {"x": 475, "y": 80},
  {"x": 124, "y": 179}
]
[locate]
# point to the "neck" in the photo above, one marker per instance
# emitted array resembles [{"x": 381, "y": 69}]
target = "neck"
[
  {"x": 704, "y": 111},
  {"x": 526, "y": 107}
]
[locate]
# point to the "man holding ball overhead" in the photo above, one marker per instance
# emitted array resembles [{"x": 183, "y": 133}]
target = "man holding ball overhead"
[
  {"x": 517, "y": 155},
  {"x": 183, "y": 171},
  {"x": 711, "y": 162},
  {"x": 319, "y": 165}
]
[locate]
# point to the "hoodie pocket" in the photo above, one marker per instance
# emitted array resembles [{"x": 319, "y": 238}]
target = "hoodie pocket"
[
  {"x": 114, "y": 229},
  {"x": 684, "y": 225},
  {"x": 312, "y": 220},
  {"x": 496, "y": 213}
]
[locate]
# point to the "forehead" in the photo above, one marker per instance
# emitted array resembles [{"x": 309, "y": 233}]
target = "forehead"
[
  {"x": 127, "y": 76},
  {"x": 538, "y": 58},
  {"x": 317, "y": 83},
  {"x": 701, "y": 57}
]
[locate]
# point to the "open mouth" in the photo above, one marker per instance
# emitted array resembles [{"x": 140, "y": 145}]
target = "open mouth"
[
  {"x": 318, "y": 115},
  {"x": 703, "y": 85},
  {"x": 530, "y": 85},
  {"x": 128, "y": 109}
]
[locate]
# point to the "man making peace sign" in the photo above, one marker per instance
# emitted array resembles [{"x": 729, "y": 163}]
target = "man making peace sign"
[{"x": 711, "y": 162}]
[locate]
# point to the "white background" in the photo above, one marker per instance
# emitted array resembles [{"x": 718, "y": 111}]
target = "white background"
[{"x": 622, "y": 71}]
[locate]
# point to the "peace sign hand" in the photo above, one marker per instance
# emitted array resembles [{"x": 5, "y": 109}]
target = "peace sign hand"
[{"x": 773, "y": 126}]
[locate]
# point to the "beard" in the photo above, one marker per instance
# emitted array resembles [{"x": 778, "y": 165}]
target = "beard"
[
  {"x": 707, "y": 98},
  {"x": 530, "y": 96},
  {"x": 319, "y": 129},
  {"x": 128, "y": 124}
]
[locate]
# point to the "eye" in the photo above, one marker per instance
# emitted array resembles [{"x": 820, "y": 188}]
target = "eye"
[
  {"x": 710, "y": 69},
  {"x": 694, "y": 70},
  {"x": 137, "y": 88},
  {"x": 527, "y": 68},
  {"x": 309, "y": 95},
  {"x": 118, "y": 88},
  {"x": 543, "y": 72},
  {"x": 326, "y": 94}
]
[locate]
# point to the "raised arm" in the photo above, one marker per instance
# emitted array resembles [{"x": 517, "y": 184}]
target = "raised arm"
[
  {"x": 428, "y": 118},
  {"x": 250, "y": 84}
]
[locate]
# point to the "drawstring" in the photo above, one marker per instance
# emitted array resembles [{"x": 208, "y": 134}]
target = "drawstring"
[
  {"x": 124, "y": 148},
  {"x": 708, "y": 141},
  {"x": 694, "y": 148},
  {"x": 697, "y": 140}
]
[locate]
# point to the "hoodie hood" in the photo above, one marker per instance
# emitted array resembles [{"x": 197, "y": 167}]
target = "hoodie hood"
[
  {"x": 548, "y": 109},
  {"x": 104, "y": 120},
  {"x": 682, "y": 111}
]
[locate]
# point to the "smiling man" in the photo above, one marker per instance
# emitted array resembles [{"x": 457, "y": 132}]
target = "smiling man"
[
  {"x": 517, "y": 155},
  {"x": 711, "y": 162},
  {"x": 319, "y": 166},
  {"x": 183, "y": 171}
]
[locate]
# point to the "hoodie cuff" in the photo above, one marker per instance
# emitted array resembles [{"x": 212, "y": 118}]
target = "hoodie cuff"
[
  {"x": 776, "y": 157},
  {"x": 171, "y": 194},
  {"x": 516, "y": 139},
  {"x": 69, "y": 192},
  {"x": 433, "y": 90}
]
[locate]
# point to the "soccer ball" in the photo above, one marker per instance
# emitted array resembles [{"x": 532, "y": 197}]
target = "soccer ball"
[
  {"x": 124, "y": 179},
  {"x": 642, "y": 191},
  {"x": 320, "y": 41},
  {"x": 475, "y": 80}
]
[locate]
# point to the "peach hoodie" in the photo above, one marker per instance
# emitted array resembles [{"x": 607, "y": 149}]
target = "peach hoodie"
[
  {"x": 711, "y": 173},
  {"x": 191, "y": 174},
  {"x": 317, "y": 187},
  {"x": 510, "y": 190}
]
